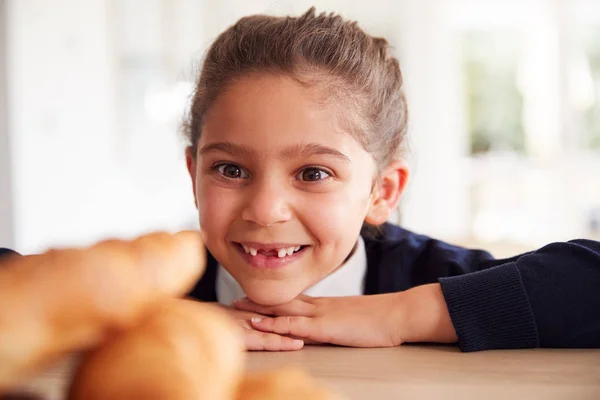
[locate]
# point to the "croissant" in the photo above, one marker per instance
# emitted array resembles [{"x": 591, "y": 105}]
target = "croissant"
[
  {"x": 71, "y": 299},
  {"x": 185, "y": 350}
]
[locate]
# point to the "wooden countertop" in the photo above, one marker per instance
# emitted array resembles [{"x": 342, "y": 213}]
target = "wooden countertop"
[
  {"x": 421, "y": 372},
  {"x": 418, "y": 372}
]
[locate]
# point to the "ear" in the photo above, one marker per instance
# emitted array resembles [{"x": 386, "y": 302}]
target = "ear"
[
  {"x": 190, "y": 161},
  {"x": 386, "y": 193}
]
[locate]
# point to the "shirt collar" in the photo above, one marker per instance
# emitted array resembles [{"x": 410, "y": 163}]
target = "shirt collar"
[{"x": 348, "y": 280}]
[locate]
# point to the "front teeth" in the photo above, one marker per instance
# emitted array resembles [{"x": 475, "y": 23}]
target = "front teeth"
[
  {"x": 250, "y": 250},
  {"x": 280, "y": 253}
]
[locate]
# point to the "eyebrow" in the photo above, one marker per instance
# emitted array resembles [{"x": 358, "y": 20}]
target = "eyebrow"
[
  {"x": 226, "y": 147},
  {"x": 296, "y": 151}
]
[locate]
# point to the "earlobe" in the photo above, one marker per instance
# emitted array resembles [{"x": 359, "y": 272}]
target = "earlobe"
[
  {"x": 190, "y": 161},
  {"x": 377, "y": 214},
  {"x": 387, "y": 192}
]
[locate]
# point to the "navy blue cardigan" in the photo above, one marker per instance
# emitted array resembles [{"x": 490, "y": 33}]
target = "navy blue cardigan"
[{"x": 546, "y": 298}]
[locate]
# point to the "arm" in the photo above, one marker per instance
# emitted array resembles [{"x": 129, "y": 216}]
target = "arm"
[
  {"x": 547, "y": 298},
  {"x": 4, "y": 252}
]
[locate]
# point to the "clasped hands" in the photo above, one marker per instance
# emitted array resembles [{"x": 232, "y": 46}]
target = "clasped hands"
[{"x": 385, "y": 320}]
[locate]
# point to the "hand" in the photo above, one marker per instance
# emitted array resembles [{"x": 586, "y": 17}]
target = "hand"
[
  {"x": 416, "y": 315},
  {"x": 357, "y": 321},
  {"x": 258, "y": 340}
]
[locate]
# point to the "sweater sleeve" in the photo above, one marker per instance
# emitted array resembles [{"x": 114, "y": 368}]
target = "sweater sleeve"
[
  {"x": 4, "y": 252},
  {"x": 546, "y": 298}
]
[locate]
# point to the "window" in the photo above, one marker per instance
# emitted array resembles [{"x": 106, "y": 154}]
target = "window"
[
  {"x": 494, "y": 101},
  {"x": 529, "y": 76},
  {"x": 589, "y": 88}
]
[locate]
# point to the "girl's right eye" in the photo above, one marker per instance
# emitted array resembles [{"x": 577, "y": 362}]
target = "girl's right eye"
[{"x": 231, "y": 171}]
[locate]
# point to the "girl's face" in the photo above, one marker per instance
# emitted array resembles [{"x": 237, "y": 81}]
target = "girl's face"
[{"x": 282, "y": 191}]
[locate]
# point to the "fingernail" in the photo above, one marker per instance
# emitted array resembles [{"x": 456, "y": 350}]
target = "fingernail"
[
  {"x": 299, "y": 342},
  {"x": 256, "y": 320}
]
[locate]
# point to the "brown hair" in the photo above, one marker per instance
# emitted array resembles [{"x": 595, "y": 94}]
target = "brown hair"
[{"x": 324, "y": 51}]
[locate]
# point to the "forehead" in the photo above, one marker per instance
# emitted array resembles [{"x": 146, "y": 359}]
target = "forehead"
[{"x": 269, "y": 109}]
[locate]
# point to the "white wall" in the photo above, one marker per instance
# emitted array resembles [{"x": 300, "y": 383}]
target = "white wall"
[
  {"x": 72, "y": 181},
  {"x": 6, "y": 209},
  {"x": 436, "y": 202}
]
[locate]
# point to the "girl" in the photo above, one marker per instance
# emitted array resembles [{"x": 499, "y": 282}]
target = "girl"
[{"x": 295, "y": 133}]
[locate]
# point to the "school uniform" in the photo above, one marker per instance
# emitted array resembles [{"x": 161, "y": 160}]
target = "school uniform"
[
  {"x": 4, "y": 252},
  {"x": 546, "y": 298}
]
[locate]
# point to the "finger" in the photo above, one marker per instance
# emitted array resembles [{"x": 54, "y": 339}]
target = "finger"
[
  {"x": 256, "y": 340},
  {"x": 295, "y": 307},
  {"x": 302, "y": 327},
  {"x": 246, "y": 325},
  {"x": 305, "y": 298},
  {"x": 66, "y": 300}
]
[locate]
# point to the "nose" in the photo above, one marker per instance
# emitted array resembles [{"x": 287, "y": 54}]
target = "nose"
[{"x": 266, "y": 204}]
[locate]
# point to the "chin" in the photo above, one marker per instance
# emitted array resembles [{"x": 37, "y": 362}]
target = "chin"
[{"x": 272, "y": 295}]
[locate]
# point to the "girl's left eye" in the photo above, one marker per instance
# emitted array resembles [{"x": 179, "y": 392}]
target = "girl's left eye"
[{"x": 313, "y": 174}]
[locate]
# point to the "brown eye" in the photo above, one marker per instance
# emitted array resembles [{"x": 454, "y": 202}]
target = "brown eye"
[
  {"x": 313, "y": 175},
  {"x": 232, "y": 171}
]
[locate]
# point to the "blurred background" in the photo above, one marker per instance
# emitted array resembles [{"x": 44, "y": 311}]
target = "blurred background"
[{"x": 504, "y": 99}]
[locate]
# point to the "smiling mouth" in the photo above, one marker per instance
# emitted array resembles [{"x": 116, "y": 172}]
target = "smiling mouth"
[{"x": 272, "y": 252}]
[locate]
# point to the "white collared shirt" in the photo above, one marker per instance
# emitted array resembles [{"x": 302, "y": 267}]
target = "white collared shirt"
[{"x": 348, "y": 280}]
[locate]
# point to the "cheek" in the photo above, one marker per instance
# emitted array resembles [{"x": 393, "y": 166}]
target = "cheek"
[
  {"x": 215, "y": 207},
  {"x": 337, "y": 217}
]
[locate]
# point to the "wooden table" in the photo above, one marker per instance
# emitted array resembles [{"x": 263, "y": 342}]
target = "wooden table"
[{"x": 419, "y": 372}]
